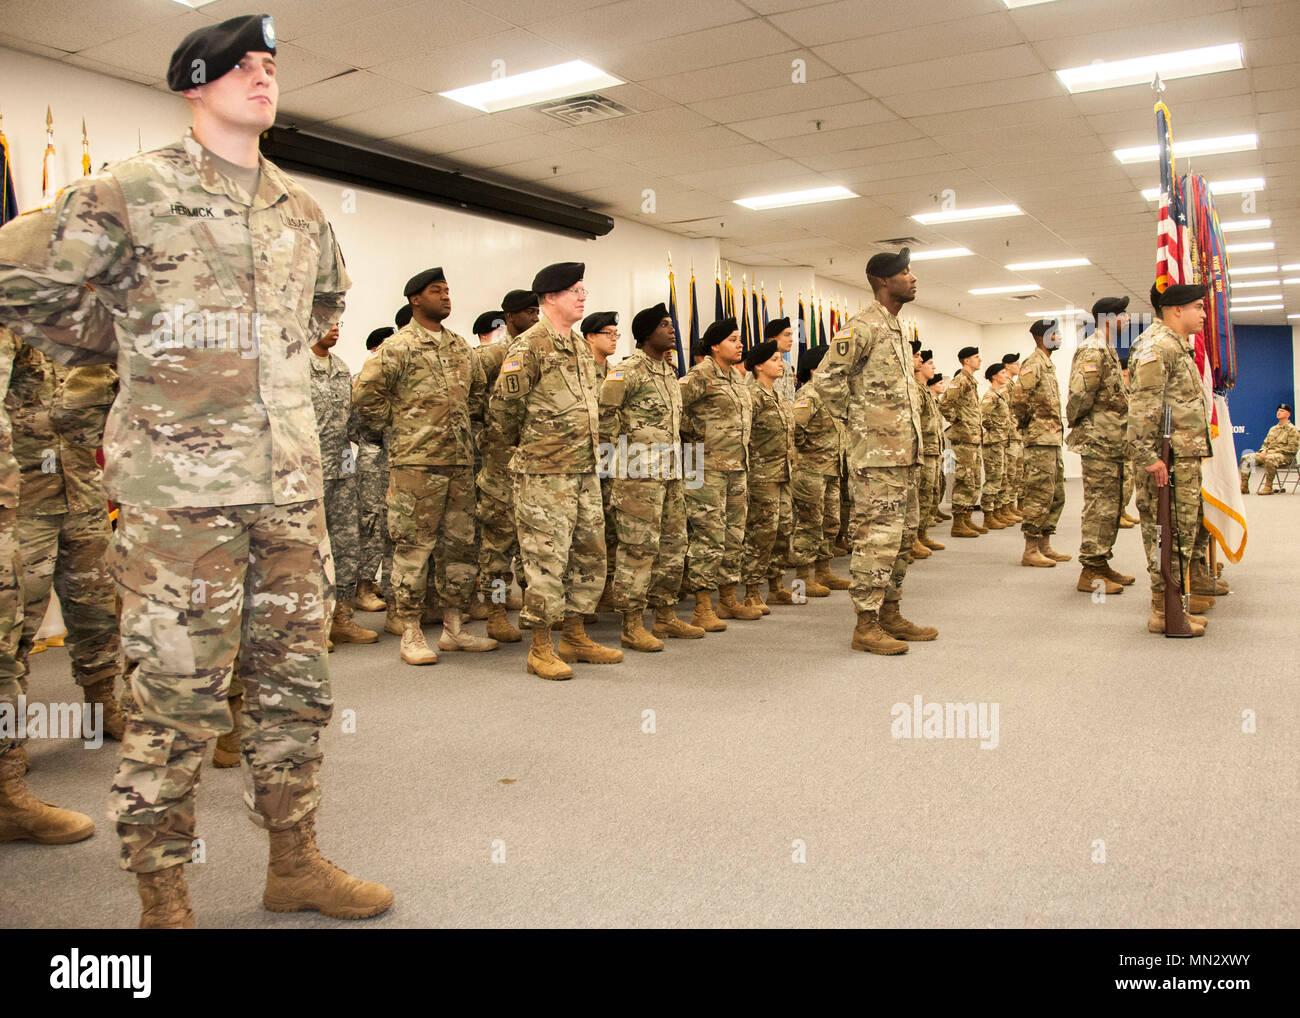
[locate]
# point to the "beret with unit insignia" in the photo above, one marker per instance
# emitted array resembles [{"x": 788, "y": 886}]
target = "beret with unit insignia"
[
  {"x": 717, "y": 332},
  {"x": 759, "y": 354},
  {"x": 207, "y": 54},
  {"x": 420, "y": 280},
  {"x": 1176, "y": 296},
  {"x": 646, "y": 321}
]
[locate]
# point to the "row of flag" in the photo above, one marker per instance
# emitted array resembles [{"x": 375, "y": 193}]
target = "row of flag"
[{"x": 49, "y": 185}]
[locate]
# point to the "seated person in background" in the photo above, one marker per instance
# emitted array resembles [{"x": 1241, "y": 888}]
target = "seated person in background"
[{"x": 1279, "y": 449}]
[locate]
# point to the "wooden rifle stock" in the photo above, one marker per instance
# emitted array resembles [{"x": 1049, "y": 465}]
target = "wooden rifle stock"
[{"x": 1176, "y": 623}]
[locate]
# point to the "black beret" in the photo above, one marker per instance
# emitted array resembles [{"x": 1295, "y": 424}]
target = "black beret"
[
  {"x": 598, "y": 320},
  {"x": 418, "y": 282},
  {"x": 647, "y": 320},
  {"x": 926, "y": 355},
  {"x": 997, "y": 367},
  {"x": 1110, "y": 306},
  {"x": 518, "y": 300},
  {"x": 1010, "y": 358},
  {"x": 378, "y": 336},
  {"x": 775, "y": 327},
  {"x": 1176, "y": 296},
  {"x": 936, "y": 377},
  {"x": 1042, "y": 327},
  {"x": 916, "y": 345},
  {"x": 488, "y": 321},
  {"x": 759, "y": 354},
  {"x": 403, "y": 316},
  {"x": 967, "y": 351},
  {"x": 717, "y": 332},
  {"x": 809, "y": 359},
  {"x": 557, "y": 277},
  {"x": 1286, "y": 407},
  {"x": 218, "y": 48},
  {"x": 886, "y": 263}
]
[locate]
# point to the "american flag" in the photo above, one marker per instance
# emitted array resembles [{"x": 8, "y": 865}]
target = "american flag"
[{"x": 1171, "y": 224}]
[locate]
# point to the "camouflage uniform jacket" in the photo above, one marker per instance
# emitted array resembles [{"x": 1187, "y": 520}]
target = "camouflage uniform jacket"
[
  {"x": 961, "y": 407},
  {"x": 32, "y": 389},
  {"x": 1097, "y": 405},
  {"x": 331, "y": 396},
  {"x": 422, "y": 389},
  {"x": 818, "y": 438},
  {"x": 371, "y": 455},
  {"x": 1017, "y": 432},
  {"x": 996, "y": 416},
  {"x": 1283, "y": 437},
  {"x": 79, "y": 416},
  {"x": 490, "y": 357},
  {"x": 784, "y": 385},
  {"x": 771, "y": 434},
  {"x": 546, "y": 403},
  {"x": 718, "y": 413},
  {"x": 866, "y": 382},
  {"x": 931, "y": 423},
  {"x": 10, "y": 481},
  {"x": 642, "y": 402},
  {"x": 1162, "y": 372},
  {"x": 176, "y": 254},
  {"x": 1037, "y": 401}
]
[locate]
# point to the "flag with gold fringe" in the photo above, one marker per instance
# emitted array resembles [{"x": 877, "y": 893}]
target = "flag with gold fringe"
[{"x": 672, "y": 316}]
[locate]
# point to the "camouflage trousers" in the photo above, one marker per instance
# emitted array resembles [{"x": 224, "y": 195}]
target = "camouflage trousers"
[
  {"x": 1184, "y": 514},
  {"x": 611, "y": 526},
  {"x": 1127, "y": 496},
  {"x": 967, "y": 480},
  {"x": 995, "y": 462},
  {"x": 66, "y": 552},
  {"x": 768, "y": 523},
  {"x": 1269, "y": 462},
  {"x": 886, "y": 514},
  {"x": 11, "y": 617},
  {"x": 562, "y": 543},
  {"x": 816, "y": 502},
  {"x": 342, "y": 520},
  {"x": 929, "y": 484},
  {"x": 375, "y": 547},
  {"x": 198, "y": 588},
  {"x": 1013, "y": 478},
  {"x": 1103, "y": 489},
  {"x": 431, "y": 515},
  {"x": 498, "y": 541},
  {"x": 1044, "y": 494},
  {"x": 650, "y": 517},
  {"x": 715, "y": 517}
]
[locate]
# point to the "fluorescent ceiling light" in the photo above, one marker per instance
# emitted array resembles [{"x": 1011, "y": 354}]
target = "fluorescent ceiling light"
[
  {"x": 1256, "y": 270},
  {"x": 1256, "y": 284},
  {"x": 986, "y": 290},
  {"x": 789, "y": 198},
  {"x": 1203, "y": 147},
  {"x": 1255, "y": 298},
  {"x": 1295, "y": 267},
  {"x": 1291, "y": 282},
  {"x": 1293, "y": 316},
  {"x": 1260, "y": 307},
  {"x": 1067, "y": 313},
  {"x": 557, "y": 82},
  {"x": 1218, "y": 187},
  {"x": 944, "y": 252},
  {"x": 1058, "y": 263},
  {"x": 965, "y": 215},
  {"x": 194, "y": 4},
  {"x": 1263, "y": 245},
  {"x": 1013, "y": 4},
  {"x": 1141, "y": 70},
  {"x": 1241, "y": 225}
]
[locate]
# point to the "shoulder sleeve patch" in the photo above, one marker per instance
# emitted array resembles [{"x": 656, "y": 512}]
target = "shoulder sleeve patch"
[
  {"x": 801, "y": 403},
  {"x": 1090, "y": 367},
  {"x": 1148, "y": 357},
  {"x": 615, "y": 376},
  {"x": 844, "y": 334}
]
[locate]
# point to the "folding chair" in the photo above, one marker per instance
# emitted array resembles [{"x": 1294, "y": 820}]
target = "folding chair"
[{"x": 1287, "y": 471}]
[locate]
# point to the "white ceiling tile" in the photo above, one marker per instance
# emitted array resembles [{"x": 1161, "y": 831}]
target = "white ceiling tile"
[
  {"x": 925, "y": 43},
  {"x": 737, "y": 78},
  {"x": 957, "y": 69},
  {"x": 337, "y": 97},
  {"x": 472, "y": 61},
  {"x": 74, "y": 25},
  {"x": 602, "y": 28},
  {"x": 832, "y": 118},
  {"x": 785, "y": 99},
  {"x": 974, "y": 96},
  {"x": 389, "y": 35},
  {"x": 819, "y": 24},
  {"x": 1150, "y": 33}
]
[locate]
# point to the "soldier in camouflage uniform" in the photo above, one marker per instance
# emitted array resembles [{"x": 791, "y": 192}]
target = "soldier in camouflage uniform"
[
  {"x": 717, "y": 415},
  {"x": 780, "y": 330},
  {"x": 375, "y": 557},
  {"x": 1164, "y": 375},
  {"x": 600, "y": 330},
  {"x": 1278, "y": 449},
  {"x": 866, "y": 380},
  {"x": 23, "y": 817},
  {"x": 771, "y": 444},
  {"x": 1097, "y": 412},
  {"x": 996, "y": 418},
  {"x": 961, "y": 406},
  {"x": 1037, "y": 410},
  {"x": 930, "y": 481},
  {"x": 210, "y": 272},
  {"x": 1126, "y": 499},
  {"x": 63, "y": 537},
  {"x": 936, "y": 387},
  {"x": 815, "y": 483},
  {"x": 1014, "y": 475},
  {"x": 546, "y": 406},
  {"x": 640, "y": 419},
  {"x": 423, "y": 389},
  {"x": 331, "y": 398}
]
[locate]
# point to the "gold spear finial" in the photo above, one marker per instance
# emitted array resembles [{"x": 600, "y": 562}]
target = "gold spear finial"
[{"x": 49, "y": 119}]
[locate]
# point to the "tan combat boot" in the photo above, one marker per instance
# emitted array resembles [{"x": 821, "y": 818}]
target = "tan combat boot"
[
  {"x": 754, "y": 599},
  {"x": 415, "y": 650},
  {"x": 635, "y": 636},
  {"x": 499, "y": 627},
  {"x": 828, "y": 579},
  {"x": 970, "y": 521},
  {"x": 668, "y": 624},
  {"x": 114, "y": 721},
  {"x": 1204, "y": 584},
  {"x": 393, "y": 623},
  {"x": 867, "y": 635},
  {"x": 542, "y": 661},
  {"x": 1045, "y": 546},
  {"x": 940, "y": 515},
  {"x": 514, "y": 602},
  {"x": 929, "y": 541},
  {"x": 777, "y": 591},
  {"x": 1125, "y": 521},
  {"x": 730, "y": 608},
  {"x": 23, "y": 817},
  {"x": 1034, "y": 557},
  {"x": 1156, "y": 620},
  {"x": 918, "y": 549},
  {"x": 1201, "y": 603},
  {"x": 1091, "y": 579},
  {"x": 344, "y": 628},
  {"x": 704, "y": 616},
  {"x": 811, "y": 587},
  {"x": 995, "y": 522},
  {"x": 892, "y": 622},
  {"x": 454, "y": 636},
  {"x": 164, "y": 900},
  {"x": 1116, "y": 577},
  {"x": 961, "y": 525},
  {"x": 299, "y": 878},
  {"x": 606, "y": 602},
  {"x": 226, "y": 751},
  {"x": 431, "y": 615},
  {"x": 368, "y": 599},
  {"x": 576, "y": 645}
]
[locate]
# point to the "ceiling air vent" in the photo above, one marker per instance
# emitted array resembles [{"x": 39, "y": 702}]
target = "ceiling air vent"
[
  {"x": 1026, "y": 296},
  {"x": 584, "y": 109},
  {"x": 897, "y": 242}
]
